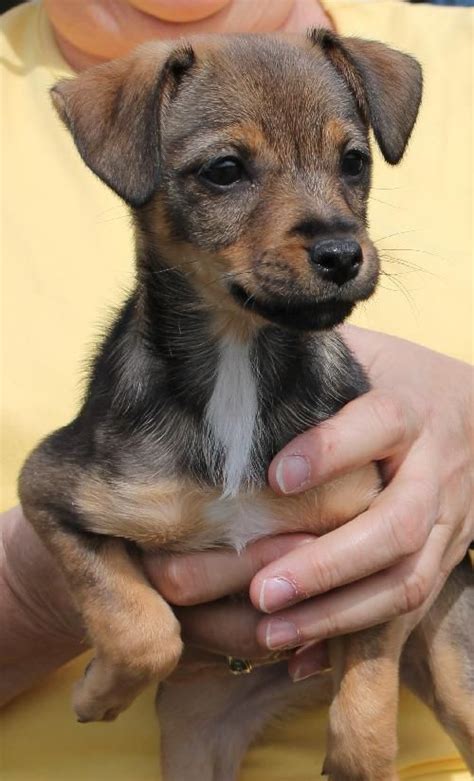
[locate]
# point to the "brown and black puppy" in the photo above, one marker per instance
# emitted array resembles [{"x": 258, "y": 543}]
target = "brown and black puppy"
[{"x": 246, "y": 163}]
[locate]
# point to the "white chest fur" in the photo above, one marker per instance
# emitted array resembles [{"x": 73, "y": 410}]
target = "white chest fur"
[{"x": 232, "y": 411}]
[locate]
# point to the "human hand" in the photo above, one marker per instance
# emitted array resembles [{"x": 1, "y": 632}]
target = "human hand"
[
  {"x": 203, "y": 586},
  {"x": 89, "y": 31},
  {"x": 393, "y": 558}
]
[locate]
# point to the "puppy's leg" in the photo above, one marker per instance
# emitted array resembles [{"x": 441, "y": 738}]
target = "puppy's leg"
[
  {"x": 209, "y": 717},
  {"x": 362, "y": 734},
  {"x": 438, "y": 662},
  {"x": 134, "y": 631}
]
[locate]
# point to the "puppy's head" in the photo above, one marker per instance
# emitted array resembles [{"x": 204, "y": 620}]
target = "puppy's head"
[{"x": 247, "y": 161}]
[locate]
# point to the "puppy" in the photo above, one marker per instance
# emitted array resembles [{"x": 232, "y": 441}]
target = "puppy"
[{"x": 246, "y": 164}]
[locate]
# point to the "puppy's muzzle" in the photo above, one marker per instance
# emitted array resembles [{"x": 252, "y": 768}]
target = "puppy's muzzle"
[{"x": 336, "y": 260}]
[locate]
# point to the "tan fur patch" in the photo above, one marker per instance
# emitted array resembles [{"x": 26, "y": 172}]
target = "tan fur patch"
[
  {"x": 157, "y": 514},
  {"x": 251, "y": 135},
  {"x": 363, "y": 715},
  {"x": 334, "y": 133},
  {"x": 453, "y": 693},
  {"x": 208, "y": 272},
  {"x": 180, "y": 515}
]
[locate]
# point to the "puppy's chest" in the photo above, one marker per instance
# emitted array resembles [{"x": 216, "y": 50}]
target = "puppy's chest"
[
  {"x": 180, "y": 515},
  {"x": 215, "y": 492},
  {"x": 254, "y": 409},
  {"x": 231, "y": 417},
  {"x": 174, "y": 514}
]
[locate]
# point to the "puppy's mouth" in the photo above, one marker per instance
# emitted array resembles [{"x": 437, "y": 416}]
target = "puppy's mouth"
[{"x": 302, "y": 315}]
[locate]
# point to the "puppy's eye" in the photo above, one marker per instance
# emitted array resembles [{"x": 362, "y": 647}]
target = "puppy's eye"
[
  {"x": 353, "y": 163},
  {"x": 223, "y": 172}
]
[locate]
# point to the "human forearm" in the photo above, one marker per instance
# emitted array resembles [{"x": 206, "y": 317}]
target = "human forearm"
[{"x": 40, "y": 627}]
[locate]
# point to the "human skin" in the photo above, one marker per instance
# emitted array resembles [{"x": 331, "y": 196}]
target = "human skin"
[
  {"x": 390, "y": 560},
  {"x": 89, "y": 31},
  {"x": 41, "y": 630}
]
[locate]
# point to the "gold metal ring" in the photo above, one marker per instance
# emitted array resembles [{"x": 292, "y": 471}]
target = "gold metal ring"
[{"x": 239, "y": 666}]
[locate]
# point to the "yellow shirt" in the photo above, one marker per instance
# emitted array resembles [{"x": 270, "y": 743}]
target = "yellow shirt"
[{"x": 67, "y": 259}]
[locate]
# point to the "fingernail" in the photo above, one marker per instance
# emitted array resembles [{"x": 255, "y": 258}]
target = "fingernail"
[
  {"x": 276, "y": 593},
  {"x": 281, "y": 634},
  {"x": 292, "y": 473}
]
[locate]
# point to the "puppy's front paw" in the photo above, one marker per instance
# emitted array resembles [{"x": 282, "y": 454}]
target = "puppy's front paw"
[
  {"x": 109, "y": 687},
  {"x": 103, "y": 692}
]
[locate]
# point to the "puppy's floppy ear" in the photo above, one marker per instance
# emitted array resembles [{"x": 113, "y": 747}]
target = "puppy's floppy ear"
[
  {"x": 386, "y": 83},
  {"x": 112, "y": 111}
]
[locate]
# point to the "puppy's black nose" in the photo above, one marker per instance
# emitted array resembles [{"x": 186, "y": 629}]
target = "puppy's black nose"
[{"x": 337, "y": 260}]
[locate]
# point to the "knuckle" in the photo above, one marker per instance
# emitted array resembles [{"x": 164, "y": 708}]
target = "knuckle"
[
  {"x": 390, "y": 415},
  {"x": 455, "y": 555},
  {"x": 466, "y": 535},
  {"x": 329, "y": 625},
  {"x": 259, "y": 554},
  {"x": 325, "y": 439},
  {"x": 323, "y": 573},
  {"x": 248, "y": 646},
  {"x": 174, "y": 582},
  {"x": 410, "y": 522},
  {"x": 414, "y": 591}
]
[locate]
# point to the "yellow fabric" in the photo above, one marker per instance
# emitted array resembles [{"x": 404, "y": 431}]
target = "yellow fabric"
[{"x": 66, "y": 251}]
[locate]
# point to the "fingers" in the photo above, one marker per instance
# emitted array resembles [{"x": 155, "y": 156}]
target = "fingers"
[
  {"x": 396, "y": 525},
  {"x": 204, "y": 577},
  {"x": 228, "y": 628},
  {"x": 370, "y": 428},
  {"x": 374, "y": 600}
]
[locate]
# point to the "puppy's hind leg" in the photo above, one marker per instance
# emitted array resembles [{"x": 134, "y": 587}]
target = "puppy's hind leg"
[
  {"x": 362, "y": 733},
  {"x": 438, "y": 661}
]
